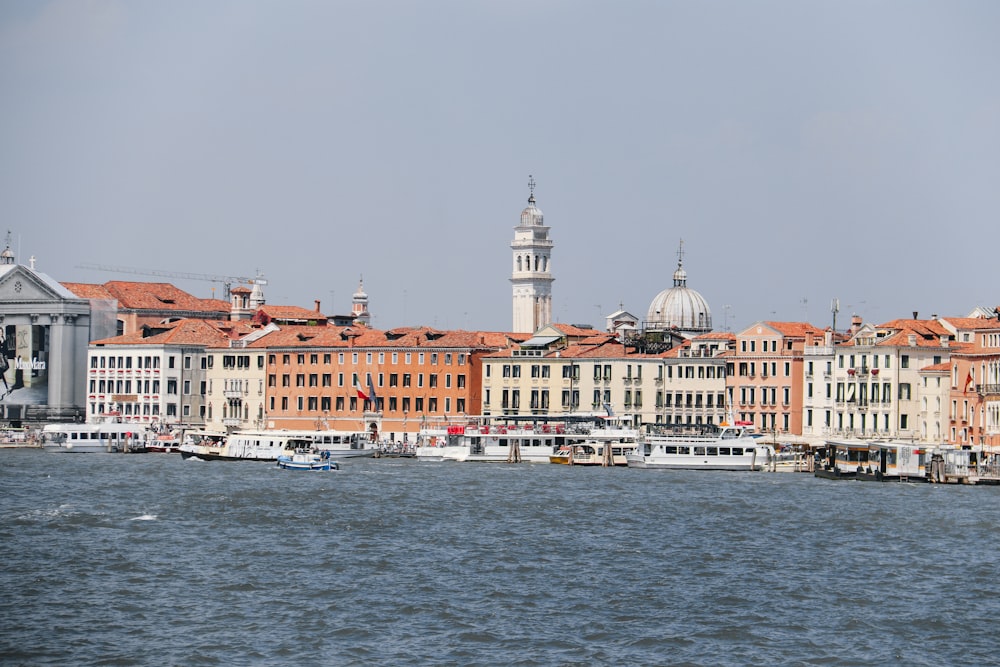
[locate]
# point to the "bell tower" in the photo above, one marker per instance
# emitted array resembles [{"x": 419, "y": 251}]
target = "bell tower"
[{"x": 531, "y": 276}]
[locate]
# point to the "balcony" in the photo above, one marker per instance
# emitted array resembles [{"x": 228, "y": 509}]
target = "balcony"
[
  {"x": 232, "y": 421},
  {"x": 233, "y": 393}
]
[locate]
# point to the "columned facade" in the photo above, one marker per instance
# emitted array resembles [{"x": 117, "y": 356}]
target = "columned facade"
[{"x": 44, "y": 332}]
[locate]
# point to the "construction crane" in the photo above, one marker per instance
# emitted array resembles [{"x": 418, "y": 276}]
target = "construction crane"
[{"x": 227, "y": 281}]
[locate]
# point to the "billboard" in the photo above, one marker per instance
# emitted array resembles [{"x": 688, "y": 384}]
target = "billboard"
[{"x": 24, "y": 362}]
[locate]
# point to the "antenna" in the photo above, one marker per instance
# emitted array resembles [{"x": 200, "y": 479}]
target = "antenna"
[{"x": 835, "y": 308}]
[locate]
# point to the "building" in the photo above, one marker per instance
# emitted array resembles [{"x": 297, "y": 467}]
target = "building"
[
  {"x": 972, "y": 406},
  {"x": 159, "y": 375},
  {"x": 882, "y": 375},
  {"x": 765, "y": 375},
  {"x": 564, "y": 369},
  {"x": 44, "y": 331},
  {"x": 532, "y": 270},
  {"x": 385, "y": 383}
]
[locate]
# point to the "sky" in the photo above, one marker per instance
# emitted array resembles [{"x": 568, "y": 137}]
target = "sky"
[{"x": 803, "y": 150}]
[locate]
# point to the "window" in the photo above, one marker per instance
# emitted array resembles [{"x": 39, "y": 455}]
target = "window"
[{"x": 904, "y": 362}]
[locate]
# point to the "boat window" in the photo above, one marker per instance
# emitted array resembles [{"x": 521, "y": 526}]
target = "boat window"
[
  {"x": 713, "y": 451},
  {"x": 737, "y": 451},
  {"x": 725, "y": 451},
  {"x": 670, "y": 449},
  {"x": 699, "y": 451}
]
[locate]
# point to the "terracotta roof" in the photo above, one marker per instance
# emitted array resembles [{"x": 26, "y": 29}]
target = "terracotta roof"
[
  {"x": 973, "y": 322},
  {"x": 184, "y": 332},
  {"x": 290, "y": 313},
  {"x": 716, "y": 335},
  {"x": 943, "y": 367},
  {"x": 571, "y": 330},
  {"x": 147, "y": 296},
  {"x": 88, "y": 291},
  {"x": 363, "y": 337},
  {"x": 794, "y": 329}
]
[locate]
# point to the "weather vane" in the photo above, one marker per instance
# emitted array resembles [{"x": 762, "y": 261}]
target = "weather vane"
[{"x": 531, "y": 185}]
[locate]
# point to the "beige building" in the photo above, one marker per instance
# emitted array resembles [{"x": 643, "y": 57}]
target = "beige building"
[
  {"x": 564, "y": 369},
  {"x": 891, "y": 381}
]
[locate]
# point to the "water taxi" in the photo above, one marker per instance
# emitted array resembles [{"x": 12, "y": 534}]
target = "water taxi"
[{"x": 307, "y": 460}]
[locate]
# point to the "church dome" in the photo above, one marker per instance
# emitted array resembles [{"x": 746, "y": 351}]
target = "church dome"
[
  {"x": 532, "y": 216},
  {"x": 679, "y": 307}
]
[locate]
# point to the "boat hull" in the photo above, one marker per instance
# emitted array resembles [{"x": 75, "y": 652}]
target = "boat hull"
[
  {"x": 69, "y": 448},
  {"x": 681, "y": 464},
  {"x": 285, "y": 463}
]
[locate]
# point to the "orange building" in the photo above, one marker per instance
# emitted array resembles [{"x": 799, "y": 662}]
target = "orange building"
[
  {"x": 383, "y": 382},
  {"x": 973, "y": 410},
  {"x": 765, "y": 374}
]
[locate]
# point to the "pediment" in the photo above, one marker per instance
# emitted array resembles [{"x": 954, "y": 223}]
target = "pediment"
[{"x": 18, "y": 283}]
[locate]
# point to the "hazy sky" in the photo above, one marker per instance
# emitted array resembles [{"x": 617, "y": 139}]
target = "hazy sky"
[{"x": 804, "y": 150}]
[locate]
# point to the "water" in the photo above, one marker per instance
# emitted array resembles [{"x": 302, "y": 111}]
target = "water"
[{"x": 152, "y": 560}]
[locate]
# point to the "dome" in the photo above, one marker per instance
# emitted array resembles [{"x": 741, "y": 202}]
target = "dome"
[
  {"x": 531, "y": 216},
  {"x": 679, "y": 307}
]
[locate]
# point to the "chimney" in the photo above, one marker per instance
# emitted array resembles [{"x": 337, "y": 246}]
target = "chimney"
[
  {"x": 317, "y": 306},
  {"x": 944, "y": 340},
  {"x": 912, "y": 340},
  {"x": 915, "y": 313},
  {"x": 856, "y": 322}
]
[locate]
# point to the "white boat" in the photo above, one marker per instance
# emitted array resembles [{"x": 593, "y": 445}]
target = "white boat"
[
  {"x": 164, "y": 443},
  {"x": 700, "y": 447},
  {"x": 307, "y": 460},
  {"x": 268, "y": 445},
  {"x": 91, "y": 438},
  {"x": 241, "y": 445},
  {"x": 339, "y": 444},
  {"x": 513, "y": 439}
]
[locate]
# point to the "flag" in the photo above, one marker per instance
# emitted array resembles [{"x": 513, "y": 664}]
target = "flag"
[
  {"x": 361, "y": 392},
  {"x": 968, "y": 381},
  {"x": 371, "y": 392}
]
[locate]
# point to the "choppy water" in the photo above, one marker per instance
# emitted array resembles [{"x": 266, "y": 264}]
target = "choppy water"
[{"x": 149, "y": 559}]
